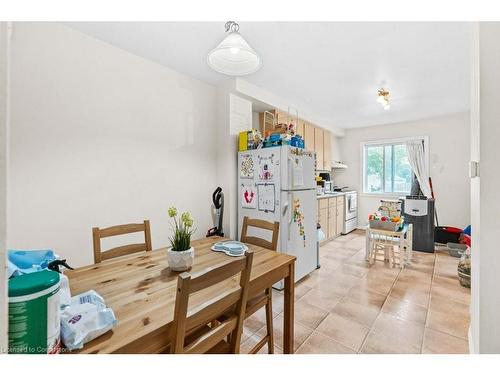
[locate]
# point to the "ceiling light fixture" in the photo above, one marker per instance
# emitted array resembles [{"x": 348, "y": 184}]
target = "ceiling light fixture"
[
  {"x": 383, "y": 98},
  {"x": 234, "y": 56}
]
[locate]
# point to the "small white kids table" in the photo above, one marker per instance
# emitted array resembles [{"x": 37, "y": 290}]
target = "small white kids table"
[{"x": 378, "y": 239}]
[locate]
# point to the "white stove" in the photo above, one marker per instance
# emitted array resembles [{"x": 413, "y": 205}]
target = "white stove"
[{"x": 351, "y": 211}]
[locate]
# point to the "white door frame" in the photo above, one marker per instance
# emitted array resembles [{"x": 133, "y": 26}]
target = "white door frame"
[{"x": 5, "y": 32}]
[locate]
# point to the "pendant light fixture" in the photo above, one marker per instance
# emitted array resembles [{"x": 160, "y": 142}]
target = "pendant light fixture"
[
  {"x": 234, "y": 56},
  {"x": 383, "y": 99}
]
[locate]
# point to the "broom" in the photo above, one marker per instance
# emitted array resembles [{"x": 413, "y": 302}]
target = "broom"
[{"x": 432, "y": 195}]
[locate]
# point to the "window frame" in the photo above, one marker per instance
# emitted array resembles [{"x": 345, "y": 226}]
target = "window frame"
[{"x": 387, "y": 142}]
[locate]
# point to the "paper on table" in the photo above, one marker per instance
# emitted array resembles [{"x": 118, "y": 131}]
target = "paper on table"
[
  {"x": 248, "y": 196},
  {"x": 266, "y": 193},
  {"x": 246, "y": 166},
  {"x": 298, "y": 172}
]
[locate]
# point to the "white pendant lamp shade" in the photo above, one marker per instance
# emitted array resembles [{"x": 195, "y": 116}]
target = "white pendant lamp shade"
[{"x": 234, "y": 56}]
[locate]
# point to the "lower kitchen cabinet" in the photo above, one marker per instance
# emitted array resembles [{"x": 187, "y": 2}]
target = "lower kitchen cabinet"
[
  {"x": 331, "y": 216},
  {"x": 332, "y": 221},
  {"x": 323, "y": 221}
]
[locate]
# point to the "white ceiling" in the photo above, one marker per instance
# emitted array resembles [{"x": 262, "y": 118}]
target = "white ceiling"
[{"x": 331, "y": 68}]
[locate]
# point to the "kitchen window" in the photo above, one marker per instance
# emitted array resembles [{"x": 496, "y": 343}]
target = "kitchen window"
[{"x": 386, "y": 169}]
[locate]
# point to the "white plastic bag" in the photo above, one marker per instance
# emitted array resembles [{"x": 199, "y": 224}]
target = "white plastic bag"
[
  {"x": 64, "y": 291},
  {"x": 85, "y": 319}
]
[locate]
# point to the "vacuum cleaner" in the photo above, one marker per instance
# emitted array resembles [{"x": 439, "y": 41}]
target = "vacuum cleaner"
[{"x": 218, "y": 200}]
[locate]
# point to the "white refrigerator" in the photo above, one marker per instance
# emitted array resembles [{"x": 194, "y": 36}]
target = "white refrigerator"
[{"x": 278, "y": 184}]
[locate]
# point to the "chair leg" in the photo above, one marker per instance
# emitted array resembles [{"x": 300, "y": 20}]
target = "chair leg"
[
  {"x": 269, "y": 321},
  {"x": 373, "y": 251},
  {"x": 402, "y": 253}
]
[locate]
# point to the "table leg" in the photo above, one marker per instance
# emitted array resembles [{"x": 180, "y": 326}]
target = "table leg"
[
  {"x": 410, "y": 242},
  {"x": 289, "y": 310},
  {"x": 402, "y": 251},
  {"x": 406, "y": 249},
  {"x": 367, "y": 245}
]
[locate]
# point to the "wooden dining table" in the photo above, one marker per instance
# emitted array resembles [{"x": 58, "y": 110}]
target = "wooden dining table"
[{"x": 141, "y": 289}]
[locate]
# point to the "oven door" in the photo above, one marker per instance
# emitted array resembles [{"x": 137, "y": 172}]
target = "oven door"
[{"x": 351, "y": 206}]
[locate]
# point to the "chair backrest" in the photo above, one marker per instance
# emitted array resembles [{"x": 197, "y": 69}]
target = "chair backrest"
[
  {"x": 234, "y": 300},
  {"x": 262, "y": 224},
  {"x": 119, "y": 230}
]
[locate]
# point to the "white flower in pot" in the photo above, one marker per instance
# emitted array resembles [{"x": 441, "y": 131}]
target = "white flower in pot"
[{"x": 180, "y": 256}]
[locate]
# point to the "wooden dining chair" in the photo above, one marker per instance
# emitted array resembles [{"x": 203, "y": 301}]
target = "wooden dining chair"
[
  {"x": 192, "y": 331},
  {"x": 118, "y": 230},
  {"x": 265, "y": 298}
]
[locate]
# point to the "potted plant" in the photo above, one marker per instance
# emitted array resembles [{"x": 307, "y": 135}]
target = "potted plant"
[{"x": 180, "y": 256}]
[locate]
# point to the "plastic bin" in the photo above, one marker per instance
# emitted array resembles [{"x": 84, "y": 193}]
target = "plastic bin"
[
  {"x": 386, "y": 225},
  {"x": 447, "y": 234},
  {"x": 456, "y": 249}
]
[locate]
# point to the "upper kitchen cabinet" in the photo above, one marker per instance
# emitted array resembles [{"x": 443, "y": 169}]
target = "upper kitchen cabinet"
[
  {"x": 276, "y": 119},
  {"x": 327, "y": 150},
  {"x": 318, "y": 147},
  {"x": 267, "y": 121},
  {"x": 282, "y": 117},
  {"x": 316, "y": 139},
  {"x": 309, "y": 136},
  {"x": 300, "y": 128}
]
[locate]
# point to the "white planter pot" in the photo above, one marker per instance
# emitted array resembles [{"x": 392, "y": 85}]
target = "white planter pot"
[{"x": 180, "y": 260}]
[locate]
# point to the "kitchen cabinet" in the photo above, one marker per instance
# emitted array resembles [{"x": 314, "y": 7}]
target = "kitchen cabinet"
[
  {"x": 332, "y": 219},
  {"x": 267, "y": 120},
  {"x": 331, "y": 216},
  {"x": 282, "y": 117},
  {"x": 323, "y": 221},
  {"x": 300, "y": 129},
  {"x": 316, "y": 139},
  {"x": 327, "y": 150},
  {"x": 309, "y": 136},
  {"x": 323, "y": 216},
  {"x": 318, "y": 147},
  {"x": 323, "y": 204}
]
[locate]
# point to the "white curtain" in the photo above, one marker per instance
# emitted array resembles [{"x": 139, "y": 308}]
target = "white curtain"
[{"x": 416, "y": 157}]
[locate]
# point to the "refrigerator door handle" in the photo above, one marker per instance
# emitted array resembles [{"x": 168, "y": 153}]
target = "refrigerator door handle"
[
  {"x": 289, "y": 167},
  {"x": 285, "y": 207},
  {"x": 288, "y": 215}
]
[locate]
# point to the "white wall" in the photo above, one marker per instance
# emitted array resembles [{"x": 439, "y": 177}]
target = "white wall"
[
  {"x": 240, "y": 119},
  {"x": 101, "y": 137},
  {"x": 4, "y": 125},
  {"x": 234, "y": 114},
  {"x": 485, "y": 133},
  {"x": 449, "y": 156},
  {"x": 254, "y": 92},
  {"x": 335, "y": 145},
  {"x": 255, "y": 121}
]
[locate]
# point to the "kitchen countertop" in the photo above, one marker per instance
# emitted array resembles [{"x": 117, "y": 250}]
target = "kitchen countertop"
[{"x": 330, "y": 195}]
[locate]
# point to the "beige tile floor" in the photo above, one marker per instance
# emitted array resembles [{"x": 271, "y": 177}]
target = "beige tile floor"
[{"x": 347, "y": 306}]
